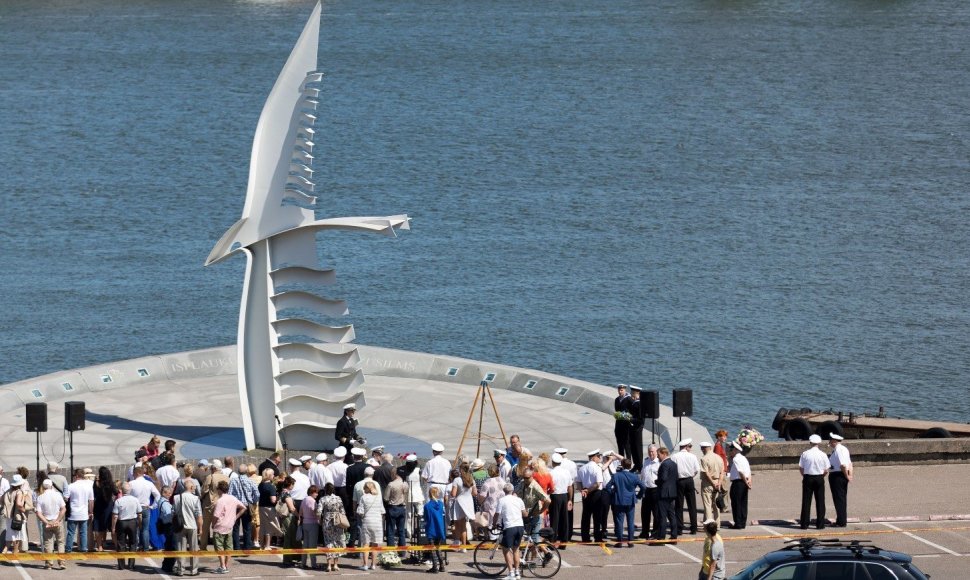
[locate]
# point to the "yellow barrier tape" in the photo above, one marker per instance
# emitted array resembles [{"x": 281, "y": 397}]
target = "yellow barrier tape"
[{"x": 106, "y": 555}]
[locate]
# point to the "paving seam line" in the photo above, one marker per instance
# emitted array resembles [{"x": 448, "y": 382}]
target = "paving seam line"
[{"x": 924, "y": 540}]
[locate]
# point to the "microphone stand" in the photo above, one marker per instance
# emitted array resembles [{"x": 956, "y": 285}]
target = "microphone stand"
[{"x": 282, "y": 440}]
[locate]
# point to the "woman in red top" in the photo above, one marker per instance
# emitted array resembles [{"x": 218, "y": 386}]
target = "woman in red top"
[
  {"x": 151, "y": 448},
  {"x": 543, "y": 477},
  {"x": 719, "y": 447}
]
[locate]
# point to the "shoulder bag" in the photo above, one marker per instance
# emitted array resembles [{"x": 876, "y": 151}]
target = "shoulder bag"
[
  {"x": 342, "y": 521},
  {"x": 282, "y": 509}
]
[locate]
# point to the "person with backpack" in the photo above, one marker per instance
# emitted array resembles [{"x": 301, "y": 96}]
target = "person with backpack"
[{"x": 165, "y": 526}]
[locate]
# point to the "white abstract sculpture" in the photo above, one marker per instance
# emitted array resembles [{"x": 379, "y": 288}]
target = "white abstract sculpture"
[{"x": 297, "y": 389}]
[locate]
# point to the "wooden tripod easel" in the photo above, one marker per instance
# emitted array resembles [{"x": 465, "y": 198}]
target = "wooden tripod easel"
[{"x": 483, "y": 391}]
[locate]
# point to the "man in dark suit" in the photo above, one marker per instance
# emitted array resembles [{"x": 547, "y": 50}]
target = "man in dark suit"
[
  {"x": 666, "y": 496},
  {"x": 273, "y": 462},
  {"x": 347, "y": 429},
  {"x": 621, "y": 430},
  {"x": 635, "y": 436}
]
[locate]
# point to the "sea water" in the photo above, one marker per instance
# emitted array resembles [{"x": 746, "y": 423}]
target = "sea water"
[{"x": 763, "y": 201}]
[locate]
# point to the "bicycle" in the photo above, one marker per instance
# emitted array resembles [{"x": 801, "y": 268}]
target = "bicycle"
[{"x": 541, "y": 559}]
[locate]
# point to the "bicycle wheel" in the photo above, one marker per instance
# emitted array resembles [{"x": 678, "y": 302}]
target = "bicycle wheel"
[
  {"x": 489, "y": 559},
  {"x": 546, "y": 563}
]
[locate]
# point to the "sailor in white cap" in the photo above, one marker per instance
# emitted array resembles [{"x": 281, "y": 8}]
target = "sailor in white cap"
[
  {"x": 346, "y": 433},
  {"x": 573, "y": 469},
  {"x": 740, "y": 476},
  {"x": 562, "y": 499},
  {"x": 621, "y": 415},
  {"x": 411, "y": 474},
  {"x": 813, "y": 465},
  {"x": 302, "y": 481},
  {"x": 355, "y": 474},
  {"x": 591, "y": 482},
  {"x": 320, "y": 473},
  {"x": 839, "y": 478},
  {"x": 688, "y": 466},
  {"x": 435, "y": 472},
  {"x": 504, "y": 467},
  {"x": 712, "y": 476},
  {"x": 338, "y": 475},
  {"x": 376, "y": 454}
]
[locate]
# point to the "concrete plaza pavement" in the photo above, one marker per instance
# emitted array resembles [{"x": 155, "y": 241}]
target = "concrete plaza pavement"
[
  {"x": 907, "y": 496},
  {"x": 413, "y": 399}
]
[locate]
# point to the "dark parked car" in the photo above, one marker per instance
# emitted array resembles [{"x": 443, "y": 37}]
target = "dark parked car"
[{"x": 813, "y": 559}]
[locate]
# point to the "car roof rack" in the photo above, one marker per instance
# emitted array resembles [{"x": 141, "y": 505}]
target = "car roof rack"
[{"x": 806, "y": 545}]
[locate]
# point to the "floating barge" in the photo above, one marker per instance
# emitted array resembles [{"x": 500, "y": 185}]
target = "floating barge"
[{"x": 799, "y": 424}]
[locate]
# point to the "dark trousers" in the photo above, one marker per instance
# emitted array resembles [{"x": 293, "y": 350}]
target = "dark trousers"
[
  {"x": 559, "y": 517},
  {"x": 126, "y": 540},
  {"x": 636, "y": 447},
  {"x": 813, "y": 486},
  {"x": 569, "y": 536},
  {"x": 596, "y": 507},
  {"x": 739, "y": 503},
  {"x": 395, "y": 525},
  {"x": 686, "y": 491},
  {"x": 168, "y": 564},
  {"x": 244, "y": 526},
  {"x": 840, "y": 495},
  {"x": 667, "y": 519},
  {"x": 622, "y": 433},
  {"x": 648, "y": 509}
]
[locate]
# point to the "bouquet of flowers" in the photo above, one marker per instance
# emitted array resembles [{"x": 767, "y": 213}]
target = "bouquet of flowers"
[
  {"x": 389, "y": 559},
  {"x": 623, "y": 416},
  {"x": 749, "y": 437}
]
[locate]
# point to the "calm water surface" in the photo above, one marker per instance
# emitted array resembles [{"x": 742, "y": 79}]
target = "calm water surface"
[{"x": 765, "y": 201}]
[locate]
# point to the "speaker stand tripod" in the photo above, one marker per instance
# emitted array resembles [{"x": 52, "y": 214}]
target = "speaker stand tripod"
[{"x": 483, "y": 392}]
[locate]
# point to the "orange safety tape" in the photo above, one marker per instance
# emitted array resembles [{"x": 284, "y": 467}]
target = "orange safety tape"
[{"x": 106, "y": 555}]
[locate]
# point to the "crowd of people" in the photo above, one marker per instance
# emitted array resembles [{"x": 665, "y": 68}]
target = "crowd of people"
[{"x": 353, "y": 498}]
